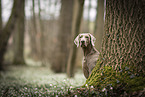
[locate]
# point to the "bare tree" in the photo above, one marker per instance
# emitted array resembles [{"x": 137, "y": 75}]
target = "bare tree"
[
  {"x": 88, "y": 22},
  {"x": 1, "y": 23},
  {"x": 41, "y": 32},
  {"x": 34, "y": 34},
  {"x": 34, "y": 17},
  {"x": 99, "y": 24},
  {"x": 65, "y": 27},
  {"x": 19, "y": 37},
  {"x": 9, "y": 27},
  {"x": 79, "y": 4}
]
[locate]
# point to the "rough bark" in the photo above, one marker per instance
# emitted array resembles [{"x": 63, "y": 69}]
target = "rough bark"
[
  {"x": 75, "y": 31},
  {"x": 123, "y": 41},
  {"x": 99, "y": 24},
  {"x": 65, "y": 27},
  {"x": 19, "y": 37},
  {"x": 7, "y": 30}
]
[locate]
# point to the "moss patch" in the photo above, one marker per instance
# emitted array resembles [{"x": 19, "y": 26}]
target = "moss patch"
[{"x": 125, "y": 81}]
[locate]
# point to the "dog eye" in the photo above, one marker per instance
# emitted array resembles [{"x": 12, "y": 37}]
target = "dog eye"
[
  {"x": 81, "y": 36},
  {"x": 86, "y": 37}
]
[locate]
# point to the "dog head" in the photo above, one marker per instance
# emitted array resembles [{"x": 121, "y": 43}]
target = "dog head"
[{"x": 84, "y": 39}]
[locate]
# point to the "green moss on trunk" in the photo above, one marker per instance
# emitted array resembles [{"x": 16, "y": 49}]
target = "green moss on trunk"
[{"x": 126, "y": 80}]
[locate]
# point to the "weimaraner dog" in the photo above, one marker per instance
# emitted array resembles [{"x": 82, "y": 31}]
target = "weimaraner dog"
[{"x": 86, "y": 41}]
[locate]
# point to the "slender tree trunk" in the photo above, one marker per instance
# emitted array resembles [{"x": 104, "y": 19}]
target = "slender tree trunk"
[
  {"x": 1, "y": 22},
  {"x": 42, "y": 38},
  {"x": 7, "y": 30},
  {"x": 88, "y": 22},
  {"x": 99, "y": 24},
  {"x": 75, "y": 31},
  {"x": 34, "y": 17},
  {"x": 1, "y": 68},
  {"x": 19, "y": 37},
  {"x": 33, "y": 34},
  {"x": 65, "y": 27},
  {"x": 124, "y": 38}
]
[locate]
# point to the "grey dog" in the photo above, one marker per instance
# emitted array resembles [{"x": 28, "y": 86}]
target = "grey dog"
[{"x": 86, "y": 41}]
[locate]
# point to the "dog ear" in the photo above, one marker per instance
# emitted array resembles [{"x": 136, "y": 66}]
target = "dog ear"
[
  {"x": 76, "y": 41},
  {"x": 92, "y": 39}
]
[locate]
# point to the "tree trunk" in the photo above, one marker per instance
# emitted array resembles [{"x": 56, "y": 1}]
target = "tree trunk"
[
  {"x": 88, "y": 21},
  {"x": 42, "y": 37},
  {"x": 0, "y": 31},
  {"x": 75, "y": 31},
  {"x": 33, "y": 34},
  {"x": 34, "y": 17},
  {"x": 19, "y": 37},
  {"x": 1, "y": 22},
  {"x": 124, "y": 39},
  {"x": 99, "y": 24},
  {"x": 7, "y": 30},
  {"x": 65, "y": 27}
]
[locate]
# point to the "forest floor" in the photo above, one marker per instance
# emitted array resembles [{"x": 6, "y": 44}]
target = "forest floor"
[{"x": 37, "y": 81}]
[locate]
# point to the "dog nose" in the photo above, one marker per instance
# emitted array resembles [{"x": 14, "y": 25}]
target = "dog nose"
[{"x": 83, "y": 41}]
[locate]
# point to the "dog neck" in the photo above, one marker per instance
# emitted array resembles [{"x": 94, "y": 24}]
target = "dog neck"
[{"x": 88, "y": 50}]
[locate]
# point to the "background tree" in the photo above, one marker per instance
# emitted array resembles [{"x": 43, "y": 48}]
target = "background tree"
[
  {"x": 9, "y": 27},
  {"x": 34, "y": 34},
  {"x": 0, "y": 29},
  {"x": 0, "y": 16},
  {"x": 19, "y": 37},
  {"x": 88, "y": 21},
  {"x": 77, "y": 22},
  {"x": 65, "y": 26},
  {"x": 42, "y": 38},
  {"x": 99, "y": 24},
  {"x": 123, "y": 41}
]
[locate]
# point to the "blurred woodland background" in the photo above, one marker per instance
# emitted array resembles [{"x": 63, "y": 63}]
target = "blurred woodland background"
[{"x": 43, "y": 31}]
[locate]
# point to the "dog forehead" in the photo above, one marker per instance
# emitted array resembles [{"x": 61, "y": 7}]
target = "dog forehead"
[{"x": 84, "y": 34}]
